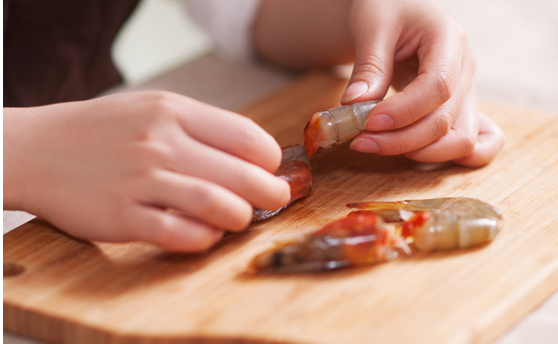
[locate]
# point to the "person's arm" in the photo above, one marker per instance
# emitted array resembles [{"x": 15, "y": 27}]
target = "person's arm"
[
  {"x": 108, "y": 169},
  {"x": 304, "y": 34},
  {"x": 416, "y": 46}
]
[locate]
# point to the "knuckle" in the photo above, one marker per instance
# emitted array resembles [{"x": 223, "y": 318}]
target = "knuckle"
[
  {"x": 467, "y": 143},
  {"x": 442, "y": 125},
  {"x": 248, "y": 137},
  {"x": 401, "y": 147},
  {"x": 258, "y": 187},
  {"x": 371, "y": 64},
  {"x": 444, "y": 86},
  {"x": 246, "y": 178},
  {"x": 232, "y": 213},
  {"x": 159, "y": 230},
  {"x": 410, "y": 115},
  {"x": 149, "y": 125},
  {"x": 206, "y": 201},
  {"x": 161, "y": 105},
  {"x": 394, "y": 144}
]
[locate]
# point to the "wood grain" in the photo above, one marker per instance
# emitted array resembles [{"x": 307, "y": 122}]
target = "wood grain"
[{"x": 79, "y": 292}]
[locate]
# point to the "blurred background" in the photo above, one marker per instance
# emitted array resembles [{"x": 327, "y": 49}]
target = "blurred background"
[{"x": 515, "y": 42}]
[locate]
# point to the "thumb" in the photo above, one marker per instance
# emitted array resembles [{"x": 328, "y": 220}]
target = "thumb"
[{"x": 373, "y": 68}]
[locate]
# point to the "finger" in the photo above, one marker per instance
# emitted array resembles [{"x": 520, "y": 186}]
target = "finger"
[
  {"x": 424, "y": 131},
  {"x": 171, "y": 231},
  {"x": 375, "y": 45},
  {"x": 440, "y": 58},
  {"x": 489, "y": 142},
  {"x": 231, "y": 133},
  {"x": 254, "y": 184},
  {"x": 460, "y": 139},
  {"x": 200, "y": 199}
]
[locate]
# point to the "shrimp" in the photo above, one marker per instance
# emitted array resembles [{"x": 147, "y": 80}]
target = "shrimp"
[
  {"x": 379, "y": 231},
  {"x": 440, "y": 223},
  {"x": 295, "y": 168},
  {"x": 335, "y": 126},
  {"x": 357, "y": 239}
]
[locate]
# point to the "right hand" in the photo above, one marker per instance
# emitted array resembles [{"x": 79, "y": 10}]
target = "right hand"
[
  {"x": 418, "y": 48},
  {"x": 415, "y": 46},
  {"x": 109, "y": 169}
]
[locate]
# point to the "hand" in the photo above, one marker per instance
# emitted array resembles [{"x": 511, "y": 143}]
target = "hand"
[
  {"x": 417, "y": 47},
  {"x": 108, "y": 169}
]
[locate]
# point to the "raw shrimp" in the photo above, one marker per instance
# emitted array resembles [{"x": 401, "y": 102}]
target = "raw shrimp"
[
  {"x": 296, "y": 170},
  {"x": 335, "y": 126},
  {"x": 357, "y": 239},
  {"x": 440, "y": 223},
  {"x": 379, "y": 232}
]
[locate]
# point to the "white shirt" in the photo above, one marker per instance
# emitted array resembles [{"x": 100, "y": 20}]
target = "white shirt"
[{"x": 229, "y": 23}]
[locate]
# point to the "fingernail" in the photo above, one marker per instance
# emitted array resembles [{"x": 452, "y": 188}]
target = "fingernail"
[
  {"x": 287, "y": 195},
  {"x": 365, "y": 146},
  {"x": 354, "y": 91},
  {"x": 379, "y": 122}
]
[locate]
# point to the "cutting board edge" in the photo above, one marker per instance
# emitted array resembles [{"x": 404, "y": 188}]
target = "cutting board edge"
[
  {"x": 486, "y": 329},
  {"x": 502, "y": 317},
  {"x": 74, "y": 332}
]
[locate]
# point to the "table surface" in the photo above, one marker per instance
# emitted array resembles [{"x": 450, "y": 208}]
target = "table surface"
[{"x": 275, "y": 80}]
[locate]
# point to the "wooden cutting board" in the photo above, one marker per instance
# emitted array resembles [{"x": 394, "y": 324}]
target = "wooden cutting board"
[{"x": 79, "y": 292}]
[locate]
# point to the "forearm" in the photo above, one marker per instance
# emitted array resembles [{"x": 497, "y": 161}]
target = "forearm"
[
  {"x": 302, "y": 34},
  {"x": 16, "y": 121}
]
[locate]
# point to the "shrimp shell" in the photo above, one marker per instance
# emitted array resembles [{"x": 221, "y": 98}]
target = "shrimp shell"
[
  {"x": 378, "y": 231},
  {"x": 356, "y": 239},
  {"x": 335, "y": 126},
  {"x": 295, "y": 168}
]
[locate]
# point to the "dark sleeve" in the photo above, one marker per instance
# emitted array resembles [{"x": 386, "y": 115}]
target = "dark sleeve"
[{"x": 59, "y": 50}]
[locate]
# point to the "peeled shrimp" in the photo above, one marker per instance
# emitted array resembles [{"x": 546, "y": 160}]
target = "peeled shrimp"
[
  {"x": 295, "y": 168},
  {"x": 335, "y": 126}
]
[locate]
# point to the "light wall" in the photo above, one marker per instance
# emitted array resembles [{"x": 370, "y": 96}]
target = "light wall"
[{"x": 158, "y": 37}]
